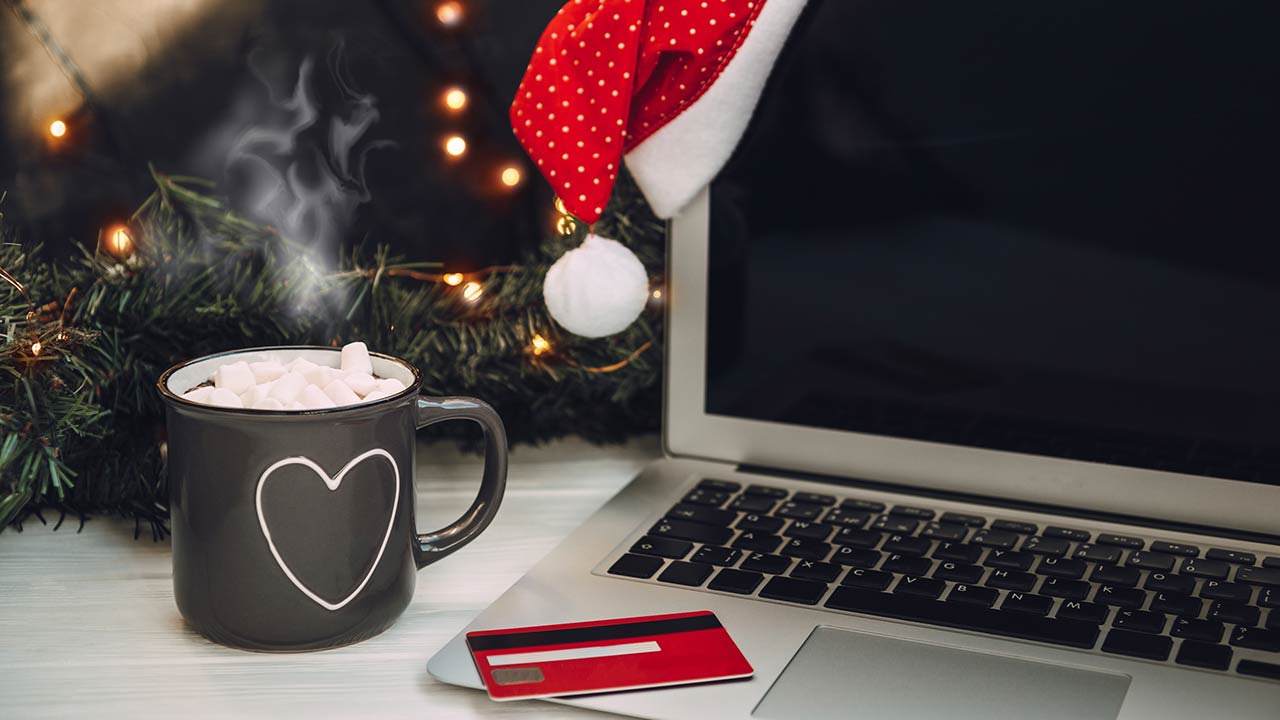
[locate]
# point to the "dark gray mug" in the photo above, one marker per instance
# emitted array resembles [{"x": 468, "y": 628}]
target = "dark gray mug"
[{"x": 295, "y": 530}]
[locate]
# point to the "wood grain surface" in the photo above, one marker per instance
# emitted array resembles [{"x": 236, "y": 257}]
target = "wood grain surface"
[{"x": 88, "y": 627}]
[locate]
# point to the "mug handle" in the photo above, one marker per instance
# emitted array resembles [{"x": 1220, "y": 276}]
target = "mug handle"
[{"x": 430, "y": 547}]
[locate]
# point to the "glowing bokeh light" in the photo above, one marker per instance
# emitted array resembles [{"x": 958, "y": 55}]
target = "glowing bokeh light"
[
  {"x": 455, "y": 145},
  {"x": 57, "y": 128}
]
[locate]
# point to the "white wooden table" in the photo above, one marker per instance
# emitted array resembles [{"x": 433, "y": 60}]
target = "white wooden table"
[{"x": 88, "y": 627}]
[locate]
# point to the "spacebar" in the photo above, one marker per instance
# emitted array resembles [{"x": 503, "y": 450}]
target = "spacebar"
[{"x": 1075, "y": 633}]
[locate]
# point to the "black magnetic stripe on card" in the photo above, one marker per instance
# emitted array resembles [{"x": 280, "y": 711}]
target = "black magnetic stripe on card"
[{"x": 510, "y": 641}]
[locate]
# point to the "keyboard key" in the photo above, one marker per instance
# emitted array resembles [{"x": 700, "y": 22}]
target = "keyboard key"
[
  {"x": 807, "y": 549},
  {"x": 919, "y": 587},
  {"x": 763, "y": 523},
  {"x": 868, "y": 579},
  {"x": 870, "y": 506},
  {"x": 1123, "y": 541},
  {"x": 1207, "y": 569},
  {"x": 1119, "y": 596},
  {"x": 1230, "y": 592},
  {"x": 1139, "y": 645},
  {"x": 753, "y": 503},
  {"x": 1234, "y": 613},
  {"x": 1027, "y": 603},
  {"x": 701, "y": 514},
  {"x": 1173, "y": 548},
  {"x": 944, "y": 531},
  {"x": 995, "y": 539},
  {"x": 1170, "y": 583},
  {"x": 816, "y": 570},
  {"x": 662, "y": 547},
  {"x": 1069, "y": 589},
  {"x": 766, "y": 563},
  {"x": 757, "y": 542},
  {"x": 721, "y": 485},
  {"x": 1140, "y": 621},
  {"x": 912, "y": 512},
  {"x": 685, "y": 573},
  {"x": 1115, "y": 575},
  {"x": 1055, "y": 547},
  {"x": 857, "y": 557},
  {"x": 1072, "y": 633},
  {"x": 846, "y": 518},
  {"x": 1177, "y": 604},
  {"x": 805, "y": 592},
  {"x": 1270, "y": 598},
  {"x": 1086, "y": 611},
  {"x": 716, "y": 555},
  {"x": 1067, "y": 533},
  {"x": 958, "y": 573},
  {"x": 1235, "y": 557},
  {"x": 1256, "y": 639},
  {"x": 1068, "y": 569},
  {"x": 735, "y": 581},
  {"x": 696, "y": 532},
  {"x": 958, "y": 552},
  {"x": 892, "y": 524},
  {"x": 963, "y": 519},
  {"x": 1271, "y": 562},
  {"x": 1010, "y": 560},
  {"x": 1258, "y": 576},
  {"x": 1011, "y": 580},
  {"x": 814, "y": 498},
  {"x": 710, "y": 498},
  {"x": 906, "y": 565},
  {"x": 973, "y": 595},
  {"x": 799, "y": 511},
  {"x": 766, "y": 491},
  {"x": 1204, "y": 655},
  {"x": 1259, "y": 669},
  {"x": 906, "y": 545},
  {"x": 637, "y": 566},
  {"x": 1193, "y": 629},
  {"x": 1015, "y": 526},
  {"x": 809, "y": 530},
  {"x": 1097, "y": 554},
  {"x": 858, "y": 538},
  {"x": 1158, "y": 562}
]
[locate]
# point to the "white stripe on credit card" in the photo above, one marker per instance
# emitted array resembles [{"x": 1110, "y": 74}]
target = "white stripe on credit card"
[{"x": 635, "y": 648}]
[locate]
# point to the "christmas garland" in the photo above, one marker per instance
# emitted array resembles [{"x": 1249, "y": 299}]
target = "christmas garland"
[{"x": 83, "y": 341}]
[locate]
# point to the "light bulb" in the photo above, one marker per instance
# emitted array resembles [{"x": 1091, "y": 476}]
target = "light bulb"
[
  {"x": 452, "y": 279},
  {"x": 657, "y": 294},
  {"x": 57, "y": 128},
  {"x": 449, "y": 13},
  {"x": 566, "y": 226},
  {"x": 511, "y": 176},
  {"x": 455, "y": 145},
  {"x": 472, "y": 291},
  {"x": 119, "y": 242},
  {"x": 455, "y": 98},
  {"x": 539, "y": 345}
]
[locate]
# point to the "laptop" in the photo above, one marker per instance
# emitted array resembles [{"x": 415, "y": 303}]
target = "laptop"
[{"x": 971, "y": 383}]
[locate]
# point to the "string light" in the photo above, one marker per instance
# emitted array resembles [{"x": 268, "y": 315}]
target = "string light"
[
  {"x": 119, "y": 241},
  {"x": 472, "y": 291},
  {"x": 657, "y": 293},
  {"x": 449, "y": 13},
  {"x": 452, "y": 279},
  {"x": 36, "y": 347},
  {"x": 455, "y": 98},
  {"x": 455, "y": 145},
  {"x": 57, "y": 128},
  {"x": 539, "y": 345},
  {"x": 511, "y": 176}
]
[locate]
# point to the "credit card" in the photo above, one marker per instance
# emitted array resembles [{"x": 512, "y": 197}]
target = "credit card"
[{"x": 604, "y": 655}]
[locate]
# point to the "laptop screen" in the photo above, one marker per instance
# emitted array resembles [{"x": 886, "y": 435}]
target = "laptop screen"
[{"x": 1047, "y": 228}]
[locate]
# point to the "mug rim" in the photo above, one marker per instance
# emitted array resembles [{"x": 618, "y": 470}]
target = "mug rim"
[{"x": 170, "y": 396}]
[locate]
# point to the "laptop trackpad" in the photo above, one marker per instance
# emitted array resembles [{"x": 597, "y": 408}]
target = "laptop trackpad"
[{"x": 841, "y": 673}]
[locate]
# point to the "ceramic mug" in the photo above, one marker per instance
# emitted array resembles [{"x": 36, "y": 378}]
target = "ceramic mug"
[{"x": 295, "y": 530}]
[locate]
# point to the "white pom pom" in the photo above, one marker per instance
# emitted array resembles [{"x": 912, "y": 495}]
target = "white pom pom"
[{"x": 596, "y": 289}]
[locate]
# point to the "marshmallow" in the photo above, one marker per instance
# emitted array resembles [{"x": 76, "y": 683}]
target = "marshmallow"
[
  {"x": 390, "y": 386},
  {"x": 223, "y": 397},
  {"x": 355, "y": 358},
  {"x": 340, "y": 394},
  {"x": 268, "y": 404},
  {"x": 301, "y": 366},
  {"x": 320, "y": 375},
  {"x": 200, "y": 394},
  {"x": 256, "y": 394},
  {"x": 294, "y": 405},
  {"x": 377, "y": 395},
  {"x": 267, "y": 370},
  {"x": 313, "y": 398},
  {"x": 236, "y": 377},
  {"x": 360, "y": 383},
  {"x": 288, "y": 387}
]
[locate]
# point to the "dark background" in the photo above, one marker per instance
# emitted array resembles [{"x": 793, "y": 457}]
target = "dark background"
[{"x": 205, "y": 83}]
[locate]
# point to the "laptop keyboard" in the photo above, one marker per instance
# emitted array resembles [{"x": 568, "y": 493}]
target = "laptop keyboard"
[{"x": 1207, "y": 608}]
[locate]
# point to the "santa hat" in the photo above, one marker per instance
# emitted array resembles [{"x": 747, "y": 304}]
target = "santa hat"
[{"x": 669, "y": 85}]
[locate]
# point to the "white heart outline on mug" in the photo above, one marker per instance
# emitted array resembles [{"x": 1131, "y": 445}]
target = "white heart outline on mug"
[{"x": 332, "y": 483}]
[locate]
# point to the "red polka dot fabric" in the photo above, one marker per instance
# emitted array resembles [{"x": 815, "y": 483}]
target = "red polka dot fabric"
[{"x": 607, "y": 74}]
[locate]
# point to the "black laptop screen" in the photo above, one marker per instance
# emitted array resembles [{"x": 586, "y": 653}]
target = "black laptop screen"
[{"x": 1051, "y": 228}]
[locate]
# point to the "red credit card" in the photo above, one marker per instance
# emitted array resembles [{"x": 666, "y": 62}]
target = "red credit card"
[{"x": 602, "y": 655}]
